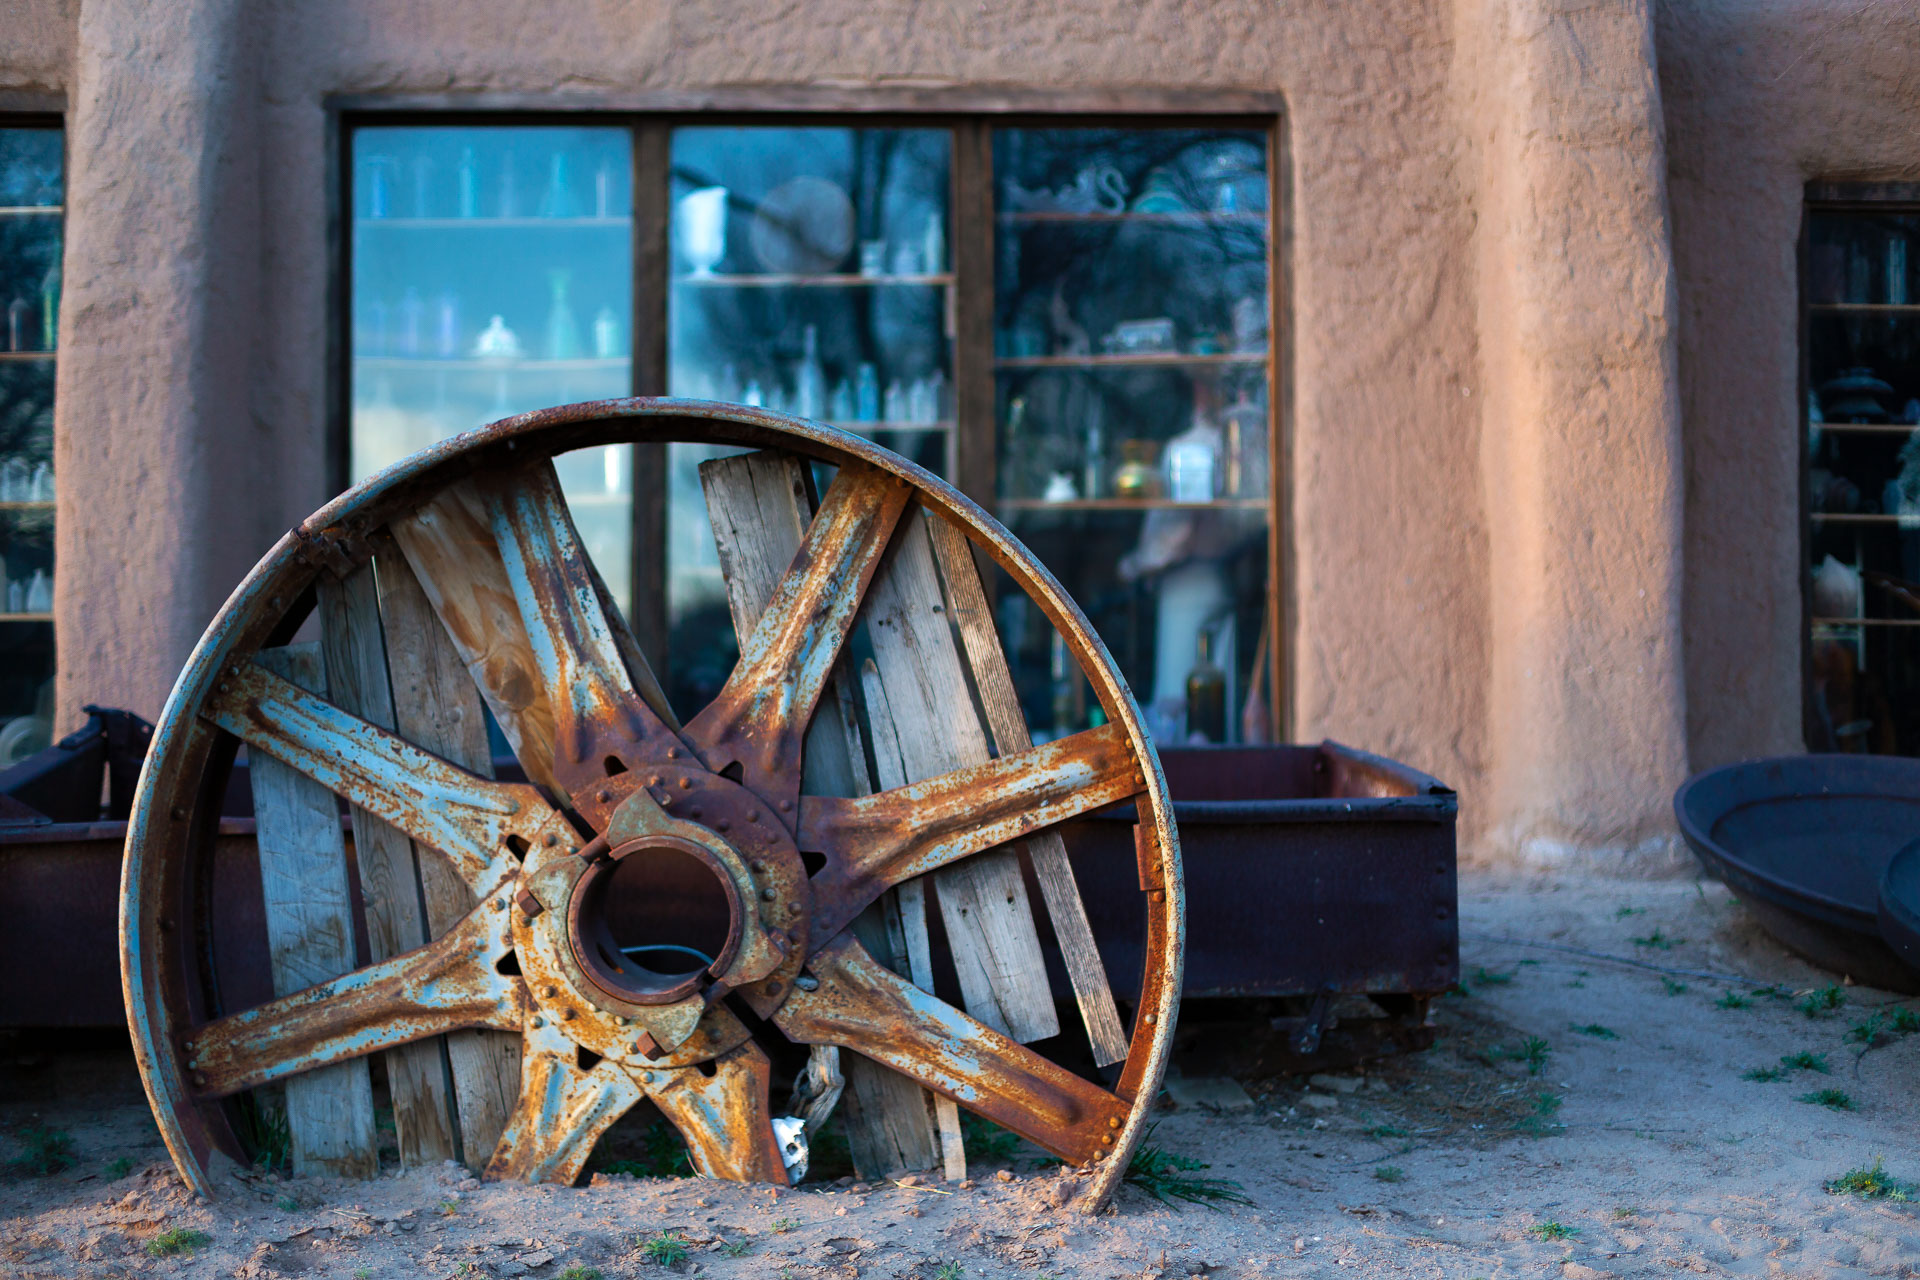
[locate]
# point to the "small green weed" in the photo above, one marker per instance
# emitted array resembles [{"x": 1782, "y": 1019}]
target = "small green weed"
[
  {"x": 1674, "y": 988},
  {"x": 1824, "y": 1000},
  {"x": 1621, "y": 913},
  {"x": 1625, "y": 1211},
  {"x": 286, "y": 1204},
  {"x": 43, "y": 1151},
  {"x": 1871, "y": 1183},
  {"x": 1658, "y": 941},
  {"x": 1731, "y": 999},
  {"x": 177, "y": 1240},
  {"x": 1168, "y": 1177},
  {"x": 737, "y": 1248},
  {"x": 363, "y": 1273},
  {"x": 580, "y": 1273},
  {"x": 1765, "y": 1075},
  {"x": 1806, "y": 1060},
  {"x": 1832, "y": 1099},
  {"x": 448, "y": 1208},
  {"x": 663, "y": 1154},
  {"x": 1906, "y": 1021},
  {"x": 1386, "y": 1131},
  {"x": 263, "y": 1131},
  {"x": 118, "y": 1168},
  {"x": 1551, "y": 1230},
  {"x": 666, "y": 1249},
  {"x": 1533, "y": 1051},
  {"x": 783, "y": 1225},
  {"x": 1484, "y": 977},
  {"x": 1389, "y": 1173},
  {"x": 1597, "y": 1031},
  {"x": 947, "y": 1271},
  {"x": 1541, "y": 1122}
]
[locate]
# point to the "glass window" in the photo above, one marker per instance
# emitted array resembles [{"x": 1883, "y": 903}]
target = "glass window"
[
  {"x": 493, "y": 274},
  {"x": 810, "y": 274},
  {"x": 1132, "y": 374},
  {"x": 30, "y": 233},
  {"x": 1863, "y": 479}
]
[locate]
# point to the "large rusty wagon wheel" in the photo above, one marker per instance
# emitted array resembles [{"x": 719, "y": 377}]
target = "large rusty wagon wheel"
[{"x": 482, "y": 524}]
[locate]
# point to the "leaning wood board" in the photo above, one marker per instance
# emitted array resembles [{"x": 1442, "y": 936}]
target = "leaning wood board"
[
  {"x": 983, "y": 900},
  {"x": 436, "y": 706},
  {"x": 350, "y": 637},
  {"x": 973, "y": 616},
  {"x": 759, "y": 508},
  {"x": 303, "y": 879}
]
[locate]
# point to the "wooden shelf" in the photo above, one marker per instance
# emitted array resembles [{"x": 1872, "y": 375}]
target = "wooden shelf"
[
  {"x": 1860, "y": 517},
  {"x": 1194, "y": 218},
  {"x": 33, "y": 505},
  {"x": 491, "y": 364},
  {"x": 26, "y": 617},
  {"x": 822, "y": 281},
  {"x": 1865, "y": 308},
  {"x": 1144, "y": 360},
  {"x": 1132, "y": 504},
  {"x": 28, "y": 357},
  {"x": 1866, "y": 622},
  {"x": 897, "y": 428},
  {"x": 491, "y": 224},
  {"x": 31, "y": 210},
  {"x": 1897, "y": 428}
]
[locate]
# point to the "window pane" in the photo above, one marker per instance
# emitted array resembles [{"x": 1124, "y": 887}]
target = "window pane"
[
  {"x": 1131, "y": 353},
  {"x": 811, "y": 275},
  {"x": 30, "y": 233},
  {"x": 1863, "y": 480},
  {"x": 492, "y": 275}
]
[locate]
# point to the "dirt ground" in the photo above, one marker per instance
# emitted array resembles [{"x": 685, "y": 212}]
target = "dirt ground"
[{"x": 1577, "y": 1117}]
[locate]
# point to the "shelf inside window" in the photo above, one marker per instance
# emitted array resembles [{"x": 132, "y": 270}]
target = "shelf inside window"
[
  {"x": 26, "y": 617},
  {"x": 32, "y": 210},
  {"x": 1900, "y": 428},
  {"x": 490, "y": 364},
  {"x": 828, "y": 280},
  {"x": 1133, "y": 504},
  {"x": 1190, "y": 218},
  {"x": 1143, "y": 360},
  {"x": 1865, "y": 308},
  {"x": 495, "y": 224},
  {"x": 28, "y": 357}
]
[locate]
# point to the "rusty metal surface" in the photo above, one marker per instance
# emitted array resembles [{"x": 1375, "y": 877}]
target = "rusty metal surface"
[
  {"x": 696, "y": 1057},
  {"x": 875, "y": 842}
]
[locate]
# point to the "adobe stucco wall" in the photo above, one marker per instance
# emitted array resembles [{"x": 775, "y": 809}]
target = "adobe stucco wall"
[
  {"x": 1486, "y": 515},
  {"x": 1761, "y": 98}
]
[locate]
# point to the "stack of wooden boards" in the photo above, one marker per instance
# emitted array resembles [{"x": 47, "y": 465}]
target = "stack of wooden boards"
[{"x": 417, "y": 640}]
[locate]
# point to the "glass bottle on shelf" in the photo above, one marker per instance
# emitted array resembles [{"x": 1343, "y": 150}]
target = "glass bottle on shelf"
[
  {"x": 809, "y": 379},
  {"x": 563, "y": 335},
  {"x": 1206, "y": 697}
]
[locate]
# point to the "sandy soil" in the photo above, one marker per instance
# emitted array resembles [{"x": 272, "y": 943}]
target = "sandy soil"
[{"x": 1651, "y": 1155}]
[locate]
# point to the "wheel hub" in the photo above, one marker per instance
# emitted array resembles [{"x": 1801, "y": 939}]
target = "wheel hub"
[{"x": 601, "y": 996}]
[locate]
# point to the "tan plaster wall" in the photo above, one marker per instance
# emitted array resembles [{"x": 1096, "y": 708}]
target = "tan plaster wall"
[
  {"x": 1761, "y": 97},
  {"x": 1478, "y": 306},
  {"x": 39, "y": 45}
]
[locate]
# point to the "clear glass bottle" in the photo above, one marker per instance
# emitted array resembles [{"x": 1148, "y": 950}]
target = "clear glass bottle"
[
  {"x": 563, "y": 334},
  {"x": 866, "y": 394},
  {"x": 810, "y": 380}
]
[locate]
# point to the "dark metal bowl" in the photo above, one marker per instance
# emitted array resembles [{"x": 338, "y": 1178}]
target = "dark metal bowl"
[
  {"x": 1805, "y": 841},
  {"x": 1900, "y": 904}
]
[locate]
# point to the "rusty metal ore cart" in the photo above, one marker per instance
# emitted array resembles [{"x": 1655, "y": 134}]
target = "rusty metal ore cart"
[{"x": 813, "y": 800}]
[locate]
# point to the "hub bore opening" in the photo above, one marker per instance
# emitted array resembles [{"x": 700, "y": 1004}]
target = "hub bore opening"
[{"x": 647, "y": 925}]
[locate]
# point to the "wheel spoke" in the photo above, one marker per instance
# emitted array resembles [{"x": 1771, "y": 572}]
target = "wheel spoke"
[
  {"x": 595, "y": 704},
  {"x": 878, "y": 841},
  {"x": 448, "y": 984},
  {"x": 726, "y": 1118},
  {"x": 465, "y": 817},
  {"x": 863, "y": 1006},
  {"x": 760, "y": 716},
  {"x": 562, "y": 1111}
]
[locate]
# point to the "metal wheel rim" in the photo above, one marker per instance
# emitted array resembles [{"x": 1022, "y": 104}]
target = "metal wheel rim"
[{"x": 163, "y": 948}]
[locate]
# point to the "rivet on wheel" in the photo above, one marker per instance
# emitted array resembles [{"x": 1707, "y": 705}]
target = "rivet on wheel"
[
  {"x": 807, "y": 982},
  {"x": 753, "y": 815},
  {"x": 1113, "y": 1122},
  {"x": 721, "y": 825},
  {"x": 499, "y": 904},
  {"x": 673, "y": 753},
  {"x": 686, "y": 784},
  {"x": 785, "y": 805},
  {"x": 1152, "y": 1018},
  {"x": 198, "y": 1078},
  {"x": 179, "y": 813},
  {"x": 552, "y": 839},
  {"x": 654, "y": 781},
  {"x": 1159, "y": 895},
  {"x": 769, "y": 894},
  {"x": 1107, "y": 1139},
  {"x": 550, "y": 991},
  {"x": 567, "y": 1015},
  {"x": 620, "y": 1021},
  {"x": 539, "y": 1021},
  {"x": 646, "y": 1077},
  {"x": 604, "y": 796},
  {"x": 759, "y": 868}
]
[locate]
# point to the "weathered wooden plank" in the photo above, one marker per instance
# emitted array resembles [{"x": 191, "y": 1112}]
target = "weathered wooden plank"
[
  {"x": 437, "y": 707},
  {"x": 890, "y": 771},
  {"x": 983, "y": 901},
  {"x": 973, "y": 616},
  {"x": 356, "y": 663},
  {"x": 303, "y": 879},
  {"x": 759, "y": 508}
]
